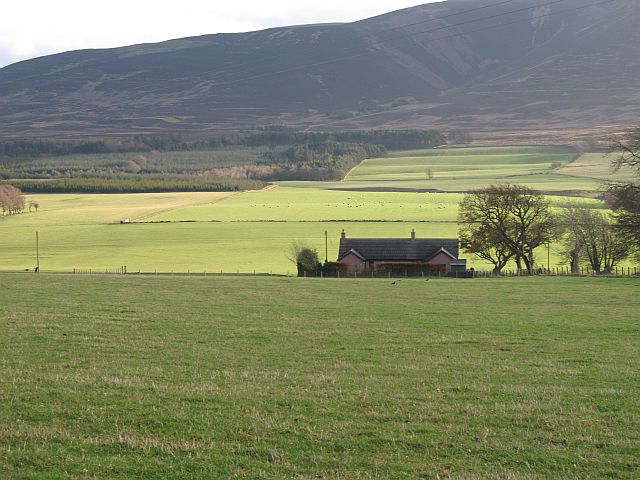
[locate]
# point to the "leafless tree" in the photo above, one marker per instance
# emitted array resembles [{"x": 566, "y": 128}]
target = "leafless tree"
[
  {"x": 429, "y": 174},
  {"x": 483, "y": 242},
  {"x": 510, "y": 218},
  {"x": 625, "y": 197},
  {"x": 604, "y": 244},
  {"x": 572, "y": 239},
  {"x": 11, "y": 200}
]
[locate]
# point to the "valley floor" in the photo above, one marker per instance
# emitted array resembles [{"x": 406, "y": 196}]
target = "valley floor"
[{"x": 252, "y": 231}]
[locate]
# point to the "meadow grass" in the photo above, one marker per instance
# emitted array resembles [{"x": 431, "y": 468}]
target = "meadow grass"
[
  {"x": 245, "y": 233},
  {"x": 596, "y": 166},
  {"x": 182, "y": 378},
  {"x": 465, "y": 169},
  {"x": 239, "y": 233}
]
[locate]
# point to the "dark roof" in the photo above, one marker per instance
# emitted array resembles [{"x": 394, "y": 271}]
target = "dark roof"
[{"x": 397, "y": 248}]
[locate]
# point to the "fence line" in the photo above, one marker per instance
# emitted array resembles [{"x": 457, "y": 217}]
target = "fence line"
[
  {"x": 560, "y": 271},
  {"x": 553, "y": 272}
]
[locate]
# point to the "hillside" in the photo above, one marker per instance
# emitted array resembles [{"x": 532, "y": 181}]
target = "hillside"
[{"x": 443, "y": 65}]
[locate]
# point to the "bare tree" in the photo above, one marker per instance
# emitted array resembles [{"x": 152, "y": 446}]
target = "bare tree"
[
  {"x": 511, "y": 218},
  {"x": 572, "y": 240},
  {"x": 625, "y": 197},
  {"x": 628, "y": 147},
  {"x": 11, "y": 200},
  {"x": 483, "y": 243},
  {"x": 429, "y": 174},
  {"x": 604, "y": 243}
]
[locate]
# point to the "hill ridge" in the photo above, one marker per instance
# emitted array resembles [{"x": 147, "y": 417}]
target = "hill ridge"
[{"x": 557, "y": 68}]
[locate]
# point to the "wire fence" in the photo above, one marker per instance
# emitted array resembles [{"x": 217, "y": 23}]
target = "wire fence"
[{"x": 560, "y": 271}]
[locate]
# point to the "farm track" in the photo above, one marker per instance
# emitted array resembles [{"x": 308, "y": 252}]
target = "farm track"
[{"x": 162, "y": 211}]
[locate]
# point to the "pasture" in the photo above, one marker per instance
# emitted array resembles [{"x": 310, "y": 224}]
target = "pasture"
[
  {"x": 169, "y": 377},
  {"x": 251, "y": 231},
  {"x": 214, "y": 232},
  {"x": 553, "y": 170}
]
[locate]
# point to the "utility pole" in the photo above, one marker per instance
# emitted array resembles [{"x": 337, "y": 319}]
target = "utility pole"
[
  {"x": 326, "y": 246},
  {"x": 549, "y": 255},
  {"x": 37, "y": 253}
]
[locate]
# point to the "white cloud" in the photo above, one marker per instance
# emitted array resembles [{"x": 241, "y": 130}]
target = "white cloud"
[{"x": 32, "y": 28}]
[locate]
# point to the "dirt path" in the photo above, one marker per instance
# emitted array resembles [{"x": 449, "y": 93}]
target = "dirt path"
[
  {"x": 161, "y": 211},
  {"x": 265, "y": 189},
  {"x": 344, "y": 179}
]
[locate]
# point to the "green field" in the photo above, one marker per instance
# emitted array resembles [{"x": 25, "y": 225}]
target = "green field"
[
  {"x": 554, "y": 170},
  {"x": 198, "y": 232},
  {"x": 182, "y": 378}
]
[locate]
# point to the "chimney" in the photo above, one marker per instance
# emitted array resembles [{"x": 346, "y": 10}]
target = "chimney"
[
  {"x": 344, "y": 235},
  {"x": 413, "y": 234}
]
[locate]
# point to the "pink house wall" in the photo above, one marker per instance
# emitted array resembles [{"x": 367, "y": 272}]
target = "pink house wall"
[
  {"x": 352, "y": 264},
  {"x": 442, "y": 259}
]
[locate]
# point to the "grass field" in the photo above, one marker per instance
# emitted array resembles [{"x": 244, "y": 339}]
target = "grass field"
[
  {"x": 182, "y": 378},
  {"x": 212, "y": 231},
  {"x": 553, "y": 170},
  {"x": 252, "y": 231}
]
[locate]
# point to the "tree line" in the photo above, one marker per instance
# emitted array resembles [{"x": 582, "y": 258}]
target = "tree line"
[
  {"x": 388, "y": 139},
  {"x": 320, "y": 161},
  {"x": 506, "y": 223},
  {"x": 266, "y": 137},
  {"x": 135, "y": 184}
]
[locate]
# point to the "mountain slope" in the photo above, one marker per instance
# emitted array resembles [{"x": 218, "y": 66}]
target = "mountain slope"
[{"x": 518, "y": 65}]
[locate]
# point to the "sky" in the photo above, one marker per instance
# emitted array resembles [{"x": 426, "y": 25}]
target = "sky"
[{"x": 32, "y": 28}]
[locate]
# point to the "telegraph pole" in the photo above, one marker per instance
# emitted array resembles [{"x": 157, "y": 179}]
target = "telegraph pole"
[
  {"x": 37, "y": 253},
  {"x": 549, "y": 255},
  {"x": 326, "y": 246}
]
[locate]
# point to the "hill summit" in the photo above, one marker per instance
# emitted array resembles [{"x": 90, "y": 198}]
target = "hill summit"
[{"x": 523, "y": 64}]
